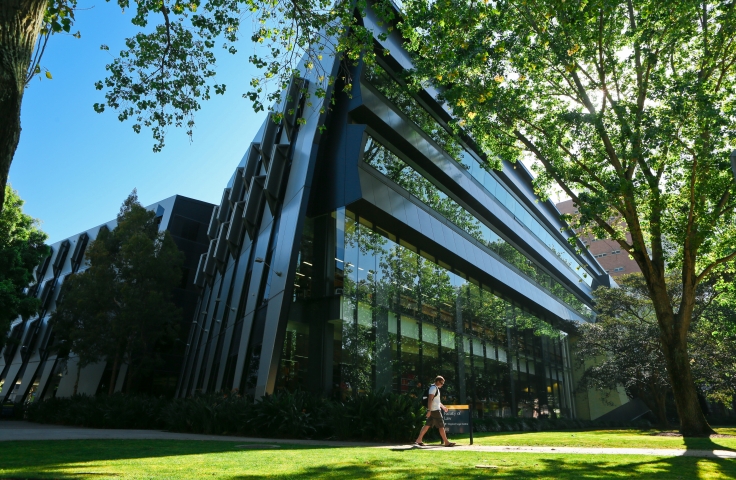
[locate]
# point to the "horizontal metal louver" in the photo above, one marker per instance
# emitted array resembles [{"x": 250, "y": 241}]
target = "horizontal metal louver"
[
  {"x": 79, "y": 249},
  {"x": 44, "y": 266},
  {"x": 224, "y": 210},
  {"x": 209, "y": 264},
  {"x": 214, "y": 223},
  {"x": 29, "y": 341},
  {"x": 291, "y": 107},
  {"x": 269, "y": 138},
  {"x": 238, "y": 185},
  {"x": 47, "y": 293},
  {"x": 251, "y": 162},
  {"x": 61, "y": 257}
]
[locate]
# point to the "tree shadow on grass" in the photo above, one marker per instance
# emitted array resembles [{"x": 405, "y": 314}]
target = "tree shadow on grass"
[
  {"x": 48, "y": 458},
  {"x": 690, "y": 443},
  {"x": 77, "y": 459},
  {"x": 704, "y": 443},
  {"x": 437, "y": 467}
]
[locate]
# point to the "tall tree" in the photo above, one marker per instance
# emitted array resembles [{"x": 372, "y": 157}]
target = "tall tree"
[
  {"x": 22, "y": 247},
  {"x": 120, "y": 309},
  {"x": 627, "y": 105}
]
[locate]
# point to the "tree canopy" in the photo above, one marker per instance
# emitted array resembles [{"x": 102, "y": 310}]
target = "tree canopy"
[
  {"x": 625, "y": 105},
  {"x": 120, "y": 309},
  {"x": 22, "y": 247},
  {"x": 168, "y": 68}
]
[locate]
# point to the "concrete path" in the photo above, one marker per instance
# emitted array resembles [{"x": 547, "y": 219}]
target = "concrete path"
[{"x": 17, "y": 430}]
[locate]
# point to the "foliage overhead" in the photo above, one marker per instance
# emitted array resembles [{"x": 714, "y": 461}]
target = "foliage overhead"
[
  {"x": 120, "y": 309},
  {"x": 22, "y": 247},
  {"x": 627, "y": 106}
]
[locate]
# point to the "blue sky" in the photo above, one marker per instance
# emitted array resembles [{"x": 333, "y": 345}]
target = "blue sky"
[{"x": 74, "y": 167}]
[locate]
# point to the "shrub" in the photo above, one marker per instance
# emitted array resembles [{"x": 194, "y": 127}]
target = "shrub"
[
  {"x": 379, "y": 416},
  {"x": 223, "y": 413},
  {"x": 285, "y": 414},
  {"x": 114, "y": 411}
]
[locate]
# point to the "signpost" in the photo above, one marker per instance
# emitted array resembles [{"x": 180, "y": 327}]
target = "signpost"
[{"x": 459, "y": 419}]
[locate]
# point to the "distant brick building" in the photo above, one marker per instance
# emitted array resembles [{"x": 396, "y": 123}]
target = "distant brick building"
[{"x": 608, "y": 253}]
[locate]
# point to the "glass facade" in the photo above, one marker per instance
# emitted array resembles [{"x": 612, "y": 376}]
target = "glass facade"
[
  {"x": 402, "y": 318},
  {"x": 381, "y": 274},
  {"x": 382, "y": 81},
  {"x": 390, "y": 165}
]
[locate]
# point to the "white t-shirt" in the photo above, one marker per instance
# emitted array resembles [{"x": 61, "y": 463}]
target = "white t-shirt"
[{"x": 433, "y": 390}]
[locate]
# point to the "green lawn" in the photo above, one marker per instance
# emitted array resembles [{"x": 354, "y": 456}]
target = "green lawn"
[
  {"x": 168, "y": 459},
  {"x": 605, "y": 438}
]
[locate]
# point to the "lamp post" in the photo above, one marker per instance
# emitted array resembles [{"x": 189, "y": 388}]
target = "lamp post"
[{"x": 733, "y": 164}]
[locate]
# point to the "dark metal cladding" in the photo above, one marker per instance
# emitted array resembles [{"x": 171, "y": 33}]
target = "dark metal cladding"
[{"x": 365, "y": 254}]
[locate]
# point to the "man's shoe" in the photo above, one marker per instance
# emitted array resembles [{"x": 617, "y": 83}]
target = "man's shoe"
[
  {"x": 451, "y": 444},
  {"x": 419, "y": 444}
]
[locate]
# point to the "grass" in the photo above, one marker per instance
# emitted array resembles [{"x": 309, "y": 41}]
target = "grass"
[
  {"x": 619, "y": 438},
  {"x": 173, "y": 459}
]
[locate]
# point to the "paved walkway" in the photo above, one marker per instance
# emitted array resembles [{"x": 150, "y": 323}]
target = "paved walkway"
[{"x": 17, "y": 430}]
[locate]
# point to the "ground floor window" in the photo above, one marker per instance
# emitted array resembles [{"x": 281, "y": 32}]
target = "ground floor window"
[{"x": 381, "y": 313}]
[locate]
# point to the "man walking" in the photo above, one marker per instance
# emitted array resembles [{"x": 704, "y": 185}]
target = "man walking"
[{"x": 434, "y": 417}]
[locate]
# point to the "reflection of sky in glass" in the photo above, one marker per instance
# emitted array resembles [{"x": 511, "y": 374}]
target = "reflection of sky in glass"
[{"x": 522, "y": 215}]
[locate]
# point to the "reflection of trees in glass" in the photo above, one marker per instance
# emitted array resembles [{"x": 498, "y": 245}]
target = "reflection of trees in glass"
[
  {"x": 403, "y": 175},
  {"x": 383, "y": 160},
  {"x": 399, "y": 96},
  {"x": 394, "y": 168},
  {"x": 400, "y": 291}
]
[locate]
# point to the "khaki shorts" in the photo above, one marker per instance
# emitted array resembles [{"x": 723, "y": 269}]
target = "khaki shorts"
[{"x": 435, "y": 419}]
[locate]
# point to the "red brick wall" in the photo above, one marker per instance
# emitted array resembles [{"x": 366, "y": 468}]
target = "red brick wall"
[{"x": 605, "y": 250}]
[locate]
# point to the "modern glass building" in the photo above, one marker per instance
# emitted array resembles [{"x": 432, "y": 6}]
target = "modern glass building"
[{"x": 371, "y": 247}]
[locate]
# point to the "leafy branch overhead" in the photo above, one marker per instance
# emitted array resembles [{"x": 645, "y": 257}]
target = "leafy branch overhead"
[
  {"x": 58, "y": 18},
  {"x": 168, "y": 69}
]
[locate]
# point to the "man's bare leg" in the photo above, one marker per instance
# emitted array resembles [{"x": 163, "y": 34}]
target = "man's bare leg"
[
  {"x": 421, "y": 433},
  {"x": 445, "y": 441}
]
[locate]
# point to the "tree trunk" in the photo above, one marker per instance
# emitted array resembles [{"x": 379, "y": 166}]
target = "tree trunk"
[
  {"x": 20, "y": 22},
  {"x": 660, "y": 411},
  {"x": 115, "y": 370},
  {"x": 673, "y": 335},
  {"x": 76, "y": 382},
  {"x": 129, "y": 379},
  {"x": 656, "y": 400},
  {"x": 692, "y": 420}
]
